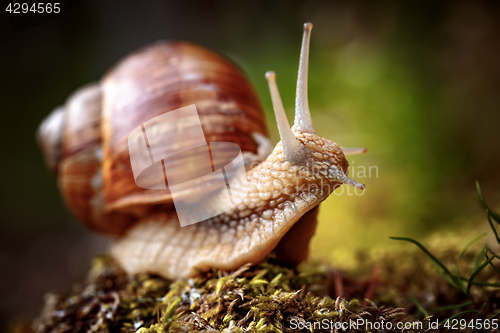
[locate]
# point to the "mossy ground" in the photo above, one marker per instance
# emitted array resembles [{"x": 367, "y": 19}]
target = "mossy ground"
[
  {"x": 403, "y": 287},
  {"x": 263, "y": 298}
]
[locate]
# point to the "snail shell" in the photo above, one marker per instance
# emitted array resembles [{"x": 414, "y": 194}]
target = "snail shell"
[{"x": 85, "y": 143}]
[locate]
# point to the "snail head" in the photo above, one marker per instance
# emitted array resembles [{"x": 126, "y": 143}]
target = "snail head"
[{"x": 318, "y": 160}]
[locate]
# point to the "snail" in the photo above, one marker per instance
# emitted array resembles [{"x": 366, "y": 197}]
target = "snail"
[{"x": 85, "y": 144}]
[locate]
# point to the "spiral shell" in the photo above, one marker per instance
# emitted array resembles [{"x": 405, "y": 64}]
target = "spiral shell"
[{"x": 85, "y": 141}]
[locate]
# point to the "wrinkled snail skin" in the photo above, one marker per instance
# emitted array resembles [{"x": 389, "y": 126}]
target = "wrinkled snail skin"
[
  {"x": 284, "y": 189},
  {"x": 246, "y": 233}
]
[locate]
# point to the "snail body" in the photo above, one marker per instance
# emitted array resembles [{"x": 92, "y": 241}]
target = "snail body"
[{"x": 282, "y": 192}]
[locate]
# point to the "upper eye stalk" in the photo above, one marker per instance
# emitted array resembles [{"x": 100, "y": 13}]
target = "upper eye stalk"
[{"x": 303, "y": 120}]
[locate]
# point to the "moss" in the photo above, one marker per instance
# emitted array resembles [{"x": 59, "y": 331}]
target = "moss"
[
  {"x": 262, "y": 298},
  {"x": 419, "y": 285},
  {"x": 269, "y": 297}
]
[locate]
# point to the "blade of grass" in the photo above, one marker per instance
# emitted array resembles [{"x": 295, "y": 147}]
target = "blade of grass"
[
  {"x": 455, "y": 281},
  {"x": 480, "y": 257},
  {"x": 493, "y": 252},
  {"x": 482, "y": 308},
  {"x": 450, "y": 307},
  {"x": 420, "y": 308},
  {"x": 457, "y": 315},
  {"x": 483, "y": 203},
  {"x": 466, "y": 247},
  {"x": 445, "y": 277},
  {"x": 476, "y": 272},
  {"x": 491, "y": 263},
  {"x": 488, "y": 213},
  {"x": 482, "y": 283}
]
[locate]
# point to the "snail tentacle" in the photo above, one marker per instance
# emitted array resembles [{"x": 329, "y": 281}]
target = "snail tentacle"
[
  {"x": 353, "y": 151},
  {"x": 303, "y": 120},
  {"x": 293, "y": 151}
]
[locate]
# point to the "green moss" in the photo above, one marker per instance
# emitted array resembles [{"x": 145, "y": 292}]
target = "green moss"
[
  {"x": 457, "y": 282},
  {"x": 262, "y": 298}
]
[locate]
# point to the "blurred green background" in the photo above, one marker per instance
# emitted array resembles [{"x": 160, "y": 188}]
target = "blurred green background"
[{"x": 416, "y": 82}]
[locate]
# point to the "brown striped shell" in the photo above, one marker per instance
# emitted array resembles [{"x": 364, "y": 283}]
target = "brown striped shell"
[{"x": 85, "y": 141}]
